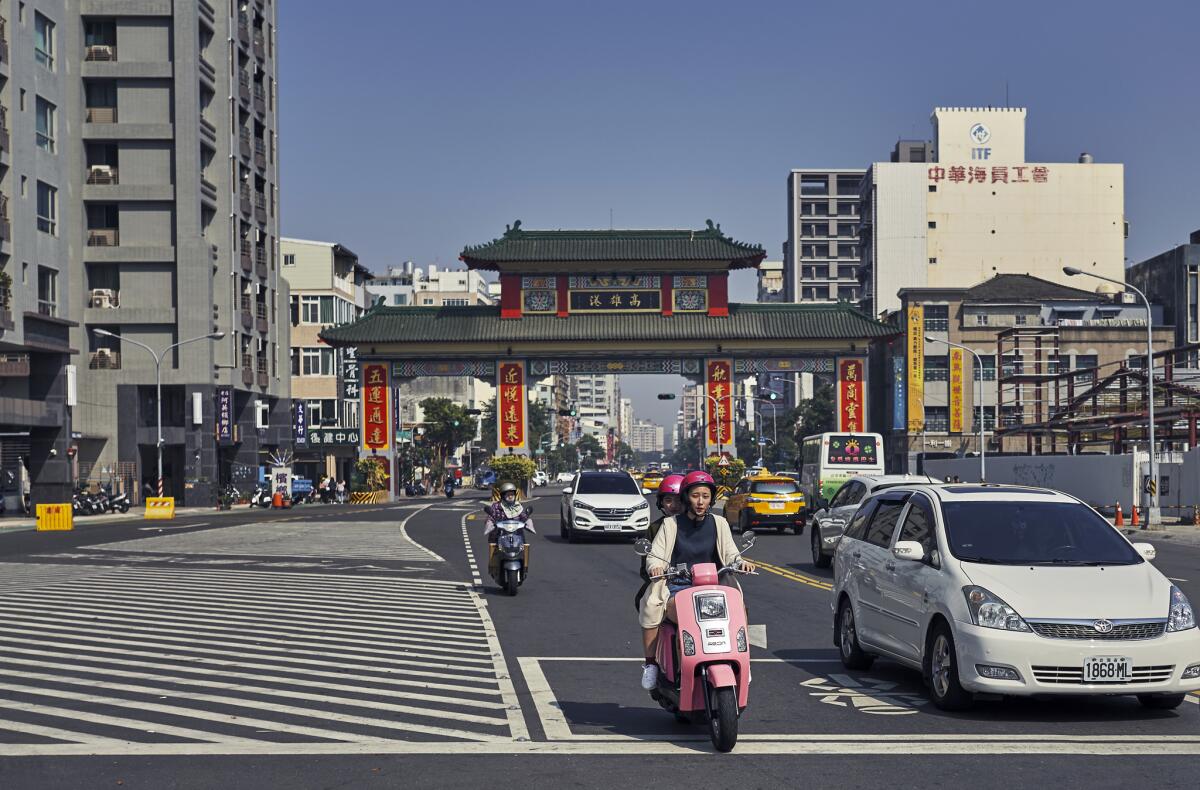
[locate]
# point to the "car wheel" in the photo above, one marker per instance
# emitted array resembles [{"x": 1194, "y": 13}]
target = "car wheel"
[
  {"x": 571, "y": 536},
  {"x": 944, "y": 686},
  {"x": 851, "y": 652},
  {"x": 819, "y": 559},
  {"x": 562, "y": 527},
  {"x": 1160, "y": 701}
]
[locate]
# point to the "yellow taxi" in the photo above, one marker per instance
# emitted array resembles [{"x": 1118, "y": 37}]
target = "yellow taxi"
[
  {"x": 766, "y": 500},
  {"x": 652, "y": 480}
]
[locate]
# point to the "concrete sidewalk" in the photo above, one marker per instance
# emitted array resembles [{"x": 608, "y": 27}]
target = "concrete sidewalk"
[{"x": 1186, "y": 534}]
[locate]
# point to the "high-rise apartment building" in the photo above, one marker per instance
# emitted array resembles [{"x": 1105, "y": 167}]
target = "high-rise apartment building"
[
  {"x": 647, "y": 437},
  {"x": 821, "y": 255},
  {"x": 142, "y": 191}
]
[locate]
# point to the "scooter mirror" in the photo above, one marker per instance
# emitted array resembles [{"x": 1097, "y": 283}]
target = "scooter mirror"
[
  {"x": 747, "y": 540},
  {"x": 642, "y": 547},
  {"x": 529, "y": 509}
]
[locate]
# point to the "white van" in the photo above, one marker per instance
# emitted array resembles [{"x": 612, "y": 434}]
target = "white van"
[{"x": 830, "y": 459}]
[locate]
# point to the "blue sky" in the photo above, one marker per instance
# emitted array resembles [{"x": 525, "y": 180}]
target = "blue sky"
[{"x": 409, "y": 130}]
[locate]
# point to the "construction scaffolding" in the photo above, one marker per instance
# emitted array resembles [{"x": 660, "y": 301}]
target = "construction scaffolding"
[{"x": 1102, "y": 407}]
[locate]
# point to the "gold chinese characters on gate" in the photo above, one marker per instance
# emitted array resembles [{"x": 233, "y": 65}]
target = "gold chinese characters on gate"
[
  {"x": 510, "y": 409},
  {"x": 376, "y": 418}
]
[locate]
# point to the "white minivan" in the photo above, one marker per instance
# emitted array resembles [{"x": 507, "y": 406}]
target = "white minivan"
[{"x": 1009, "y": 590}]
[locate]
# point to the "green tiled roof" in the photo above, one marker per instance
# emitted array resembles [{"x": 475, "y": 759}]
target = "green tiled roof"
[
  {"x": 482, "y": 324},
  {"x": 564, "y": 246}
]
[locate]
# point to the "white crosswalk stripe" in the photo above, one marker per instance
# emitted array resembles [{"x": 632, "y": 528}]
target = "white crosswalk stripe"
[
  {"x": 361, "y": 540},
  {"x": 117, "y": 657}
]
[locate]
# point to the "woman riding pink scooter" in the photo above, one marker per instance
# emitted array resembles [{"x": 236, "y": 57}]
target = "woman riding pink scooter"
[{"x": 694, "y": 536}]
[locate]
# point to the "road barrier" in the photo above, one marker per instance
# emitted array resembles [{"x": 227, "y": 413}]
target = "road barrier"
[
  {"x": 160, "y": 507},
  {"x": 55, "y": 518}
]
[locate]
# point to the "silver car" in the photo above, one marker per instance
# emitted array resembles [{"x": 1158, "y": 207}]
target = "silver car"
[{"x": 831, "y": 518}]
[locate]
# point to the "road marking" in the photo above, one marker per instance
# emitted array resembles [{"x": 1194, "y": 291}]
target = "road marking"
[
  {"x": 758, "y": 636},
  {"x": 508, "y": 693},
  {"x": 795, "y": 576},
  {"x": 177, "y": 526},
  {"x": 871, "y": 695}
]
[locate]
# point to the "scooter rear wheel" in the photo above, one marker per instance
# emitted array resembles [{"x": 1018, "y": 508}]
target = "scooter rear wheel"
[{"x": 723, "y": 725}]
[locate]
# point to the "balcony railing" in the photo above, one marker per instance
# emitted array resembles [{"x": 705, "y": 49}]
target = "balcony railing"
[
  {"x": 244, "y": 26},
  {"x": 101, "y": 53},
  {"x": 103, "y": 237},
  {"x": 244, "y": 82},
  {"x": 101, "y": 114},
  {"x": 47, "y": 307},
  {"x": 244, "y": 138},
  {"x": 103, "y": 175},
  {"x": 260, "y": 311},
  {"x": 263, "y": 365},
  {"x": 104, "y": 359},
  {"x": 247, "y": 259},
  {"x": 260, "y": 201},
  {"x": 260, "y": 256},
  {"x": 245, "y": 302}
]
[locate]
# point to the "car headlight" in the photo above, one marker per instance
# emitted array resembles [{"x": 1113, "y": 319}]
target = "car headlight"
[
  {"x": 582, "y": 505},
  {"x": 710, "y": 607},
  {"x": 643, "y": 505},
  {"x": 988, "y": 611},
  {"x": 1180, "y": 617}
]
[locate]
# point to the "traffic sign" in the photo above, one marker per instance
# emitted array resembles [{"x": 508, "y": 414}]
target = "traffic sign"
[{"x": 724, "y": 462}]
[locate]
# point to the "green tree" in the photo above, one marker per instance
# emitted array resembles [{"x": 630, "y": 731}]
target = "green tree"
[
  {"x": 815, "y": 415},
  {"x": 447, "y": 426},
  {"x": 589, "y": 450},
  {"x": 623, "y": 454}
]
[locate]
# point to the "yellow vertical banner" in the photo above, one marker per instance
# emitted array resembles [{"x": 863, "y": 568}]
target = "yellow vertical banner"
[
  {"x": 956, "y": 390},
  {"x": 916, "y": 368}
]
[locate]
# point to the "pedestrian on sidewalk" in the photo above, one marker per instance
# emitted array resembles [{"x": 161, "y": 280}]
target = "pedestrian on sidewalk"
[{"x": 341, "y": 492}]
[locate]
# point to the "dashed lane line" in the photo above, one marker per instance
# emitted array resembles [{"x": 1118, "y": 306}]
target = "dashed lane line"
[{"x": 795, "y": 576}]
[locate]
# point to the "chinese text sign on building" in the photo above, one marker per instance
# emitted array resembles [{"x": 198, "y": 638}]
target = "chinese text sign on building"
[
  {"x": 916, "y": 368},
  {"x": 852, "y": 395},
  {"x": 376, "y": 419},
  {"x": 956, "y": 390},
  {"x": 510, "y": 406}
]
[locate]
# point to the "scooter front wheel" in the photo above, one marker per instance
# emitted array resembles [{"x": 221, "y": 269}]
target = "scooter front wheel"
[
  {"x": 510, "y": 582},
  {"x": 723, "y": 722}
]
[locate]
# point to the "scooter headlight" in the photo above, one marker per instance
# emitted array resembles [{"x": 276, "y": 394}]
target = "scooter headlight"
[{"x": 710, "y": 607}]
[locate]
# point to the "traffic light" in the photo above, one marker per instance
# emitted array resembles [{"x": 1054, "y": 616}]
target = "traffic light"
[
  {"x": 772, "y": 395},
  {"x": 666, "y": 396},
  {"x": 571, "y": 412}
]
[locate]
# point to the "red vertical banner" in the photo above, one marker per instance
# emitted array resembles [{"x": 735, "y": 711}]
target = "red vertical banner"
[
  {"x": 852, "y": 395},
  {"x": 511, "y": 408},
  {"x": 718, "y": 409},
  {"x": 376, "y": 415}
]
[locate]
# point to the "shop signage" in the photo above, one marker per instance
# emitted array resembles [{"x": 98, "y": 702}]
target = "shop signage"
[
  {"x": 956, "y": 390},
  {"x": 224, "y": 421},
  {"x": 899, "y": 414},
  {"x": 350, "y": 380},
  {"x": 852, "y": 395},
  {"x": 325, "y": 437},
  {"x": 916, "y": 369},
  {"x": 300, "y": 421}
]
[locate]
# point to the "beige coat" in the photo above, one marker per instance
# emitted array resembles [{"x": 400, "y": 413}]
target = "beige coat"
[{"x": 654, "y": 602}]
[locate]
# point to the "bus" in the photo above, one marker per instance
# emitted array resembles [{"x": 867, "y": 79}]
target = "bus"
[{"x": 829, "y": 459}]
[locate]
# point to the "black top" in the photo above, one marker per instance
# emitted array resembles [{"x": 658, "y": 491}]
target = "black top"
[{"x": 695, "y": 542}]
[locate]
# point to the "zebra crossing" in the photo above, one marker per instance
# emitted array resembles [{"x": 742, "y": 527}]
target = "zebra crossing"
[
  {"x": 365, "y": 540},
  {"x": 115, "y": 660}
]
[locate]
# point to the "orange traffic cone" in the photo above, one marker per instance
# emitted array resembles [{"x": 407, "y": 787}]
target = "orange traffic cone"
[
  {"x": 1135, "y": 518},
  {"x": 1120, "y": 522}
]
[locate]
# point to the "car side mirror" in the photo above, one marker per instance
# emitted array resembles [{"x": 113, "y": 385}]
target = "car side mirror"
[
  {"x": 908, "y": 550},
  {"x": 567, "y": 490},
  {"x": 1147, "y": 550}
]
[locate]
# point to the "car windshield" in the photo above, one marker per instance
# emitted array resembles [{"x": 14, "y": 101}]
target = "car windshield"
[
  {"x": 1033, "y": 533},
  {"x": 607, "y": 484},
  {"x": 774, "y": 487}
]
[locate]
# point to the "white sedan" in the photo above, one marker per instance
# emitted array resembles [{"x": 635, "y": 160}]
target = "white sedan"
[{"x": 1012, "y": 591}]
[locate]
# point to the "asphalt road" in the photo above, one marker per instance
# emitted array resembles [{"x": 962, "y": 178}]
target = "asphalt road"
[{"x": 358, "y": 646}]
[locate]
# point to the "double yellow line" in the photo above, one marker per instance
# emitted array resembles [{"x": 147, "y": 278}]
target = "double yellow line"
[{"x": 786, "y": 573}]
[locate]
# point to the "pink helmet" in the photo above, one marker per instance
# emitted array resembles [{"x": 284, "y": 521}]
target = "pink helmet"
[
  {"x": 671, "y": 484},
  {"x": 698, "y": 478}
]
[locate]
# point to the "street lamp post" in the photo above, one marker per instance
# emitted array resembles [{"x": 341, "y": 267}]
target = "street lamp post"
[
  {"x": 1153, "y": 513},
  {"x": 158, "y": 358},
  {"x": 978, "y": 402}
]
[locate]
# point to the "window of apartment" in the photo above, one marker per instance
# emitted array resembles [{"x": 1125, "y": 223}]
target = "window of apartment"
[
  {"x": 937, "y": 419},
  {"x": 47, "y": 208},
  {"x": 932, "y": 224},
  {"x": 847, "y": 293},
  {"x": 426, "y": 300},
  {"x": 43, "y": 40},
  {"x": 816, "y": 209},
  {"x": 814, "y": 185},
  {"x": 937, "y": 318},
  {"x": 316, "y": 362},
  {"x": 847, "y": 272},
  {"x": 316, "y": 310},
  {"x": 815, "y": 272},
  {"x": 845, "y": 209},
  {"x": 47, "y": 291},
  {"x": 981, "y": 319},
  {"x": 289, "y": 259},
  {"x": 848, "y": 185},
  {"x": 989, "y": 368},
  {"x": 937, "y": 368},
  {"x": 815, "y": 251},
  {"x": 1011, "y": 416},
  {"x": 1193, "y": 304},
  {"x": 816, "y": 229},
  {"x": 1011, "y": 365},
  {"x": 454, "y": 302},
  {"x": 812, "y": 293},
  {"x": 1020, "y": 319},
  {"x": 400, "y": 299},
  {"x": 847, "y": 230},
  {"x": 847, "y": 250},
  {"x": 989, "y": 418},
  {"x": 44, "y": 120},
  {"x": 323, "y": 412}
]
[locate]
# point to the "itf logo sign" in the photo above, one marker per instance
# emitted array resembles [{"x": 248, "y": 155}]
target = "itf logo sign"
[{"x": 980, "y": 135}]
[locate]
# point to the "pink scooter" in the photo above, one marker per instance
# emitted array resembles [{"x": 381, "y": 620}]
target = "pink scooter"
[{"x": 704, "y": 660}]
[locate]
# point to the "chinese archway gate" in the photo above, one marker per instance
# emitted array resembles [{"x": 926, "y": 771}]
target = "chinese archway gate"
[{"x": 609, "y": 301}]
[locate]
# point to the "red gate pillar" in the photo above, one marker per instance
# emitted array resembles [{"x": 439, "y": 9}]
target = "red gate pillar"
[{"x": 512, "y": 409}]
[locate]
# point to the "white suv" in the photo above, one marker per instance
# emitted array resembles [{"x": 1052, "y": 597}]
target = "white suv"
[
  {"x": 603, "y": 503},
  {"x": 1009, "y": 590}
]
